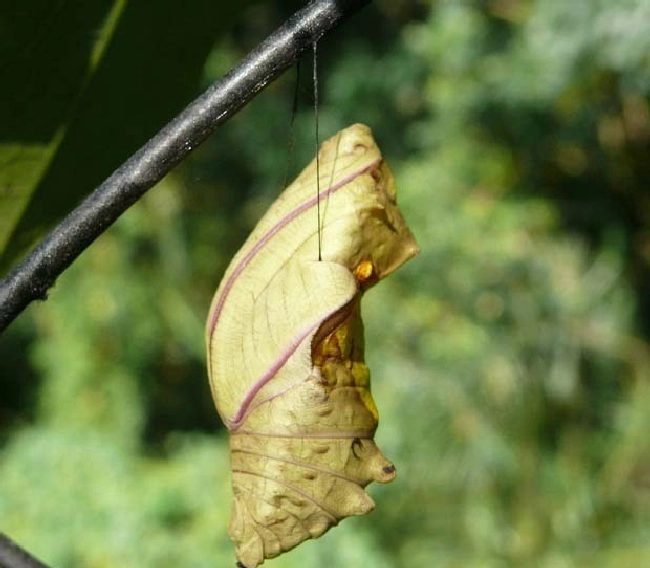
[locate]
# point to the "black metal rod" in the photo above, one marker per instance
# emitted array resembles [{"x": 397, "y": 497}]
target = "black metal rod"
[
  {"x": 34, "y": 276},
  {"x": 13, "y": 556}
]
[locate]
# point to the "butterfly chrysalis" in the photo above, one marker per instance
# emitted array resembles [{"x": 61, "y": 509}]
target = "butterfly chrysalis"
[{"x": 286, "y": 353}]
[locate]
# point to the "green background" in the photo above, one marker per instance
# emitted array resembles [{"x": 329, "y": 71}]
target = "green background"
[{"x": 510, "y": 359}]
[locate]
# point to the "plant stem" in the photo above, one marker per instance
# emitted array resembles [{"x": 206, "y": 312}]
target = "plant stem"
[
  {"x": 13, "y": 556},
  {"x": 36, "y": 274}
]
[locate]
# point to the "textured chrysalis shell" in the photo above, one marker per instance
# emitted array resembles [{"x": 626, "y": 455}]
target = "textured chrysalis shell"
[{"x": 285, "y": 350}]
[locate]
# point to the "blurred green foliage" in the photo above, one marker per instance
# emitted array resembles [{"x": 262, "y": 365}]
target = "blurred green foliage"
[
  {"x": 76, "y": 71},
  {"x": 510, "y": 359}
]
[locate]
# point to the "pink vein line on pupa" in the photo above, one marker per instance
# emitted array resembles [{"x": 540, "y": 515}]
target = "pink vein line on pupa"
[
  {"x": 253, "y": 407},
  {"x": 239, "y": 417},
  {"x": 266, "y": 237}
]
